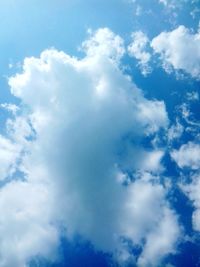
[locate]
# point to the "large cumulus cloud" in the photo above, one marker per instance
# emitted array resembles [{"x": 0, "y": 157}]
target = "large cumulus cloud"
[{"x": 79, "y": 129}]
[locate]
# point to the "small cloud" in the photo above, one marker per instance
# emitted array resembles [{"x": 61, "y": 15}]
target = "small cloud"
[
  {"x": 179, "y": 49},
  {"x": 188, "y": 155},
  {"x": 138, "y": 50},
  {"x": 193, "y": 96},
  {"x": 175, "y": 131},
  {"x": 10, "y": 107}
]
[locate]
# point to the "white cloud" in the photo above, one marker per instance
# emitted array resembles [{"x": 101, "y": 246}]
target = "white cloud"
[
  {"x": 187, "y": 156},
  {"x": 25, "y": 229},
  {"x": 195, "y": 12},
  {"x": 8, "y": 156},
  {"x": 159, "y": 232},
  {"x": 138, "y": 49},
  {"x": 171, "y": 4},
  {"x": 138, "y": 11},
  {"x": 193, "y": 96},
  {"x": 151, "y": 161},
  {"x": 193, "y": 192},
  {"x": 10, "y": 107},
  {"x": 175, "y": 131},
  {"x": 86, "y": 116},
  {"x": 161, "y": 240},
  {"x": 179, "y": 49},
  {"x": 104, "y": 43}
]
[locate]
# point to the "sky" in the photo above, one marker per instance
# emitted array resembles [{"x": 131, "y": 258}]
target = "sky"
[{"x": 100, "y": 133}]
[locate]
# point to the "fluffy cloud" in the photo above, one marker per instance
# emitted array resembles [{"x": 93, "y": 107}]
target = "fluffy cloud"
[
  {"x": 161, "y": 240},
  {"x": 192, "y": 191},
  {"x": 179, "y": 49},
  {"x": 104, "y": 43},
  {"x": 175, "y": 131},
  {"x": 171, "y": 4},
  {"x": 187, "y": 156},
  {"x": 137, "y": 49},
  {"x": 80, "y": 120},
  {"x": 151, "y": 161},
  {"x": 26, "y": 229},
  {"x": 193, "y": 96},
  {"x": 161, "y": 231},
  {"x": 8, "y": 157}
]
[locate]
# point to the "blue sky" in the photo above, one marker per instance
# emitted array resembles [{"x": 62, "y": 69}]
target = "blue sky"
[{"x": 99, "y": 141}]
